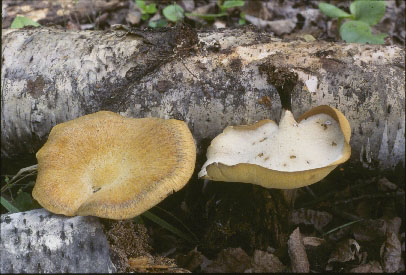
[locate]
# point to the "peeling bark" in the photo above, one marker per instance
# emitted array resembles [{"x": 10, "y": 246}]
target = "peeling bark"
[{"x": 209, "y": 79}]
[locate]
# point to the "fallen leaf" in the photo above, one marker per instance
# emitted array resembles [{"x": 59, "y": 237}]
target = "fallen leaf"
[
  {"x": 391, "y": 253},
  {"x": 140, "y": 262},
  {"x": 393, "y": 225},
  {"x": 265, "y": 262},
  {"x": 369, "y": 230},
  {"x": 385, "y": 185},
  {"x": 229, "y": 260},
  {"x": 313, "y": 241},
  {"x": 318, "y": 219},
  {"x": 345, "y": 251},
  {"x": 297, "y": 253},
  {"x": 190, "y": 261},
  {"x": 371, "y": 267}
]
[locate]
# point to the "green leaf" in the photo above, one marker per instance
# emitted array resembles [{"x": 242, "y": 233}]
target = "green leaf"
[
  {"x": 207, "y": 16},
  {"x": 232, "y": 4},
  {"x": 158, "y": 23},
  {"x": 25, "y": 202},
  {"x": 173, "y": 13},
  {"x": 333, "y": 11},
  {"x": 141, "y": 5},
  {"x": 21, "y": 22},
  {"x": 8, "y": 205},
  {"x": 360, "y": 32},
  {"x": 167, "y": 226},
  {"x": 368, "y": 11},
  {"x": 242, "y": 20},
  {"x": 145, "y": 16},
  {"x": 151, "y": 9}
]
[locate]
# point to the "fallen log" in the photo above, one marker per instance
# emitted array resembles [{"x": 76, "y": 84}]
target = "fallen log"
[
  {"x": 37, "y": 241},
  {"x": 208, "y": 79}
]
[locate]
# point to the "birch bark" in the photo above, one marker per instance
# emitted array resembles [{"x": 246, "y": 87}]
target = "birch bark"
[{"x": 208, "y": 79}]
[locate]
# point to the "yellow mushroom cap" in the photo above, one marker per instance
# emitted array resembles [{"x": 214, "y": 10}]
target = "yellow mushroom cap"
[
  {"x": 285, "y": 156},
  {"x": 114, "y": 167}
]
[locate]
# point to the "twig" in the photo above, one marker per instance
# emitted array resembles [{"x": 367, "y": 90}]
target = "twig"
[
  {"x": 328, "y": 195},
  {"x": 371, "y": 196}
]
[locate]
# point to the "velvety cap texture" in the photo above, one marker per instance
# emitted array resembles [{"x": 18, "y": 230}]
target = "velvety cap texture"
[{"x": 110, "y": 166}]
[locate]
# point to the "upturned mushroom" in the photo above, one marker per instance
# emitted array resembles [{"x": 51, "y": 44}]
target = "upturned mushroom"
[
  {"x": 285, "y": 156},
  {"x": 114, "y": 167}
]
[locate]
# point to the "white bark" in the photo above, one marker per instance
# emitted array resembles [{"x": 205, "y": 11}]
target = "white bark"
[
  {"x": 50, "y": 76},
  {"x": 37, "y": 241}
]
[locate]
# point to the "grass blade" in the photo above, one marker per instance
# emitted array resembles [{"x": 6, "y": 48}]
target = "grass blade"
[
  {"x": 179, "y": 221},
  {"x": 340, "y": 227},
  {"x": 152, "y": 217},
  {"x": 11, "y": 208}
]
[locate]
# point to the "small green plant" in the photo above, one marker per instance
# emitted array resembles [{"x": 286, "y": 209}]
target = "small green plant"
[
  {"x": 23, "y": 201},
  {"x": 223, "y": 6},
  {"x": 173, "y": 13},
  {"x": 160, "y": 23},
  {"x": 22, "y": 21},
  {"x": 146, "y": 10},
  {"x": 357, "y": 28},
  {"x": 190, "y": 237}
]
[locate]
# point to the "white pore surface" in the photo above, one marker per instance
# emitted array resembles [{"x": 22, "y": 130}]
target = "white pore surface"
[{"x": 313, "y": 143}]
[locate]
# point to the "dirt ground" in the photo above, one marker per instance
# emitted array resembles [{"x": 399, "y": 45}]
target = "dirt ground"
[{"x": 351, "y": 221}]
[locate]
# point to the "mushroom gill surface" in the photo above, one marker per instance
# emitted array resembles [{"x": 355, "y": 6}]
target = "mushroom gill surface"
[{"x": 290, "y": 155}]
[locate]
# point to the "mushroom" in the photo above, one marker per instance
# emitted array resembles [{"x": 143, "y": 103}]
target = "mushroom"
[
  {"x": 114, "y": 167},
  {"x": 291, "y": 155}
]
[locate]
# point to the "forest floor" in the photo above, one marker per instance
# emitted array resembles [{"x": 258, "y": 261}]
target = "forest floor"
[{"x": 351, "y": 221}]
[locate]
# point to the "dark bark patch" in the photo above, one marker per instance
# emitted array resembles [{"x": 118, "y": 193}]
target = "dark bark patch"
[
  {"x": 216, "y": 47},
  {"x": 35, "y": 88},
  {"x": 236, "y": 64},
  {"x": 283, "y": 79},
  {"x": 324, "y": 53},
  {"x": 163, "y": 86},
  {"x": 185, "y": 38},
  {"x": 332, "y": 65}
]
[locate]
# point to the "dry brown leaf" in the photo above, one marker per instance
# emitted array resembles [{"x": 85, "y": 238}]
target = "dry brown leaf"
[
  {"x": 190, "y": 261},
  {"x": 265, "y": 262},
  {"x": 369, "y": 230},
  {"x": 141, "y": 262},
  {"x": 345, "y": 251},
  {"x": 155, "y": 264},
  {"x": 371, "y": 267},
  {"x": 229, "y": 260},
  {"x": 313, "y": 241},
  {"x": 385, "y": 185},
  {"x": 318, "y": 219},
  {"x": 391, "y": 253},
  {"x": 393, "y": 225},
  {"x": 297, "y": 253}
]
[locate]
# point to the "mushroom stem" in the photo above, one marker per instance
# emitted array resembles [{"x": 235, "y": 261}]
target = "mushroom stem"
[{"x": 289, "y": 195}]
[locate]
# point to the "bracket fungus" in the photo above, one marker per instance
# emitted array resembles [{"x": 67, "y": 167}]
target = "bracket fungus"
[
  {"x": 291, "y": 155},
  {"x": 114, "y": 167}
]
